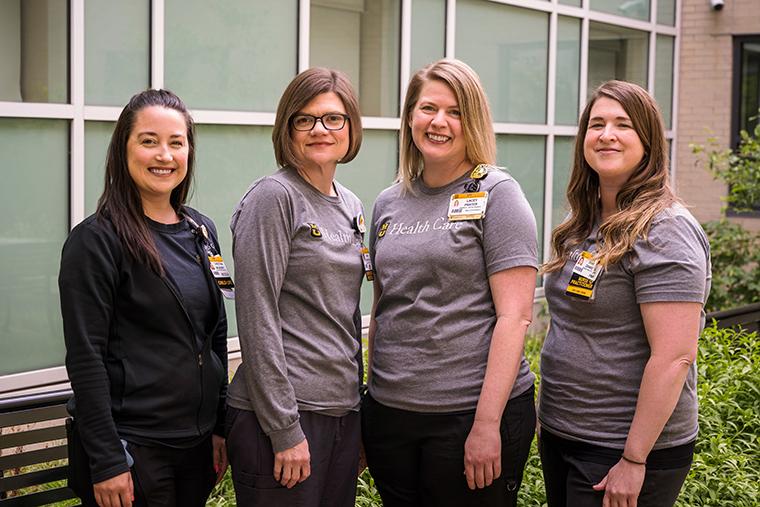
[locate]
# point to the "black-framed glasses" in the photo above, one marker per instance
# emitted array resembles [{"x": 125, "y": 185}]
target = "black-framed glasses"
[{"x": 330, "y": 121}]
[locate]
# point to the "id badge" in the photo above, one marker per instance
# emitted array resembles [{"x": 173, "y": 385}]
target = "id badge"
[
  {"x": 582, "y": 282},
  {"x": 468, "y": 206},
  {"x": 367, "y": 261},
  {"x": 222, "y": 276}
]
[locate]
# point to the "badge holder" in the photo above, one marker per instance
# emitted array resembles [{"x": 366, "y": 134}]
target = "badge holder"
[
  {"x": 361, "y": 228},
  {"x": 470, "y": 205},
  {"x": 582, "y": 284},
  {"x": 218, "y": 269}
]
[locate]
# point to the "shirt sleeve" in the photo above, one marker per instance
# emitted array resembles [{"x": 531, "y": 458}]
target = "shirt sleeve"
[
  {"x": 88, "y": 281},
  {"x": 673, "y": 263},
  {"x": 509, "y": 229},
  {"x": 262, "y": 231}
]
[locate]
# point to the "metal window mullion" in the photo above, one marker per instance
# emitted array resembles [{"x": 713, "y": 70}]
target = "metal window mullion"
[
  {"x": 157, "y": 44},
  {"x": 451, "y": 26},
  {"x": 76, "y": 139},
  {"x": 406, "y": 50},
  {"x": 652, "y": 62},
  {"x": 304, "y": 24},
  {"x": 549, "y": 140},
  {"x": 674, "y": 105}
]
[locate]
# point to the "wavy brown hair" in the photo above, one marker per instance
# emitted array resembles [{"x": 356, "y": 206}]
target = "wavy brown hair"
[
  {"x": 120, "y": 202},
  {"x": 646, "y": 193},
  {"x": 477, "y": 126}
]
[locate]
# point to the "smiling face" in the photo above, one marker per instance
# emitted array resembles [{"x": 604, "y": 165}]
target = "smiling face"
[
  {"x": 319, "y": 147},
  {"x": 611, "y": 146},
  {"x": 436, "y": 126},
  {"x": 157, "y": 152}
]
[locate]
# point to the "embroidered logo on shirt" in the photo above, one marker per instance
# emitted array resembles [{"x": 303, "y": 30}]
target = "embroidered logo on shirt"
[
  {"x": 315, "y": 232},
  {"x": 383, "y": 229}
]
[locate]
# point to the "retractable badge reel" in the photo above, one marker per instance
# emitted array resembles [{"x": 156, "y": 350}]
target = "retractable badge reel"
[
  {"x": 470, "y": 205},
  {"x": 216, "y": 263},
  {"x": 361, "y": 227}
]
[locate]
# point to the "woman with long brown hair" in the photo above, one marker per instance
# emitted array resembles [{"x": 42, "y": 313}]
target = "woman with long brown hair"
[{"x": 626, "y": 285}]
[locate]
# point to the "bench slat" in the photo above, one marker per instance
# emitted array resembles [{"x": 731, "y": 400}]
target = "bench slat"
[
  {"x": 32, "y": 478},
  {"x": 33, "y": 457},
  {"x": 10, "y": 440},
  {"x": 18, "y": 417},
  {"x": 41, "y": 498}
]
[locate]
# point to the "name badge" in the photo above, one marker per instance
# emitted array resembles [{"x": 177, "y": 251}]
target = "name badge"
[
  {"x": 582, "y": 282},
  {"x": 222, "y": 276},
  {"x": 367, "y": 261},
  {"x": 468, "y": 206}
]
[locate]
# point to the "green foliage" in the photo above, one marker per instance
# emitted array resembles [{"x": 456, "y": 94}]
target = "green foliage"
[
  {"x": 735, "y": 256},
  {"x": 739, "y": 168}
]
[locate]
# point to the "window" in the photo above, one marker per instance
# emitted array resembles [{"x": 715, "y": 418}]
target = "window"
[
  {"x": 34, "y": 51},
  {"x": 747, "y": 84},
  {"x": 615, "y": 52}
]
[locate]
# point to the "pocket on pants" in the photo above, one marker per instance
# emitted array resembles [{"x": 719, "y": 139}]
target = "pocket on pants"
[{"x": 262, "y": 490}]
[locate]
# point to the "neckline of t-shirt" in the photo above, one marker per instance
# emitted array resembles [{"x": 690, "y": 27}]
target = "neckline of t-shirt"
[
  {"x": 174, "y": 228},
  {"x": 439, "y": 190},
  {"x": 332, "y": 199}
]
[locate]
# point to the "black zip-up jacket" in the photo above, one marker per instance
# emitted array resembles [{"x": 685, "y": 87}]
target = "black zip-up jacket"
[{"x": 131, "y": 352}]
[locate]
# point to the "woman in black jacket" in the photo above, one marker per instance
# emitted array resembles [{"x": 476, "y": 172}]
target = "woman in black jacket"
[{"x": 144, "y": 322}]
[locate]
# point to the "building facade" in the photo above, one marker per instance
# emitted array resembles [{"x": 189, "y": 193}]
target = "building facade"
[{"x": 70, "y": 65}]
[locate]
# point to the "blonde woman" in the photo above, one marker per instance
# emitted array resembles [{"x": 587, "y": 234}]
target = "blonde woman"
[
  {"x": 626, "y": 287},
  {"x": 449, "y": 416}
]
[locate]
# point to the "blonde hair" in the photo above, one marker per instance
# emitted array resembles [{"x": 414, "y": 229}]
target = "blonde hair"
[
  {"x": 301, "y": 90},
  {"x": 475, "y": 115},
  {"x": 646, "y": 193}
]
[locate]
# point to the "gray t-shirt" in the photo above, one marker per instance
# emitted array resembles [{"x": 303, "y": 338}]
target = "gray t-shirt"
[
  {"x": 298, "y": 273},
  {"x": 595, "y": 351},
  {"x": 435, "y": 315}
]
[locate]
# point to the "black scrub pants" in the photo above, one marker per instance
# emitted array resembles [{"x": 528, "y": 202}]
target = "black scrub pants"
[
  {"x": 417, "y": 459},
  {"x": 572, "y": 468},
  {"x": 334, "y": 449}
]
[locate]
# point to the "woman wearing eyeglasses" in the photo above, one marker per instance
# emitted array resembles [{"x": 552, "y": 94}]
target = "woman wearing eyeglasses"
[{"x": 293, "y": 424}]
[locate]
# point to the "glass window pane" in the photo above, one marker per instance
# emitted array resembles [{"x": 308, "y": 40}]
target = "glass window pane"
[
  {"x": 508, "y": 47},
  {"x": 576, "y": 3},
  {"x": 636, "y": 9},
  {"x": 34, "y": 46},
  {"x": 568, "y": 70},
  {"x": 373, "y": 170},
  {"x": 34, "y": 204},
  {"x": 117, "y": 55},
  {"x": 523, "y": 157},
  {"x": 428, "y": 32},
  {"x": 749, "y": 88},
  {"x": 228, "y": 158},
  {"x": 563, "y": 160},
  {"x": 233, "y": 54},
  {"x": 663, "y": 76},
  {"x": 666, "y": 12},
  {"x": 615, "y": 52},
  {"x": 365, "y": 46},
  {"x": 97, "y": 135}
]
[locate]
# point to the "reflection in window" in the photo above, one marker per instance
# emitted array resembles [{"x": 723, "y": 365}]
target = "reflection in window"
[
  {"x": 636, "y": 9},
  {"x": 524, "y": 156},
  {"x": 749, "y": 85},
  {"x": 663, "y": 76},
  {"x": 568, "y": 70},
  {"x": 34, "y": 51},
  {"x": 666, "y": 12},
  {"x": 34, "y": 204},
  {"x": 563, "y": 161},
  {"x": 97, "y": 135},
  {"x": 117, "y": 55},
  {"x": 616, "y": 53},
  {"x": 233, "y": 54},
  {"x": 361, "y": 39},
  {"x": 373, "y": 170},
  {"x": 428, "y": 32},
  {"x": 512, "y": 63}
]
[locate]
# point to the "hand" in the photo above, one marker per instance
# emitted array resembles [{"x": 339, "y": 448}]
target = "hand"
[
  {"x": 482, "y": 454},
  {"x": 219, "y": 456},
  {"x": 115, "y": 492},
  {"x": 293, "y": 465},
  {"x": 622, "y": 484}
]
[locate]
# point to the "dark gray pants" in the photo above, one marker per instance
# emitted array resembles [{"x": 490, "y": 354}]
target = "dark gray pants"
[
  {"x": 569, "y": 475},
  {"x": 334, "y": 448}
]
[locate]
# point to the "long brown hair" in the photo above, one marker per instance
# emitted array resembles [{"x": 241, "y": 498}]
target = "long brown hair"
[
  {"x": 477, "y": 126},
  {"x": 301, "y": 90},
  {"x": 120, "y": 202},
  {"x": 646, "y": 193}
]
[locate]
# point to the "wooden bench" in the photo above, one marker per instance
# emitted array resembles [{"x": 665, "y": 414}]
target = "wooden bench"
[
  {"x": 33, "y": 434},
  {"x": 748, "y": 317}
]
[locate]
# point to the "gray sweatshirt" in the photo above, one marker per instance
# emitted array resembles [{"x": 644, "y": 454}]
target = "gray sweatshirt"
[{"x": 298, "y": 271}]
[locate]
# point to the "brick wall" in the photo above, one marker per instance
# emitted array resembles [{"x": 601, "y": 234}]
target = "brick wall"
[{"x": 705, "y": 92}]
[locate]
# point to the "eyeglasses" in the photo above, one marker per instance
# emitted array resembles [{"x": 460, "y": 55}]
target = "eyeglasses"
[{"x": 330, "y": 121}]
